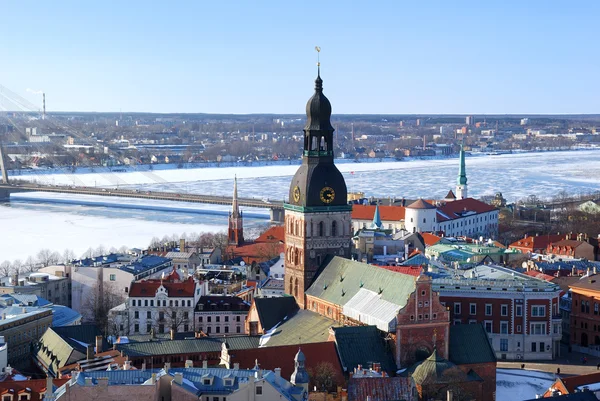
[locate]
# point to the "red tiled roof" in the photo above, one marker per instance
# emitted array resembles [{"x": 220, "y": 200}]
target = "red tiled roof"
[
  {"x": 452, "y": 209},
  {"x": 273, "y": 234},
  {"x": 575, "y": 381},
  {"x": 386, "y": 213},
  {"x": 148, "y": 288},
  {"x": 37, "y": 387},
  {"x": 535, "y": 243},
  {"x": 256, "y": 252},
  {"x": 568, "y": 243},
  {"x": 430, "y": 239},
  {"x": 283, "y": 357},
  {"x": 410, "y": 270},
  {"x": 421, "y": 204},
  {"x": 540, "y": 275}
]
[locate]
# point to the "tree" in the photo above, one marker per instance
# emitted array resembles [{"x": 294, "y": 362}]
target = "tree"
[
  {"x": 100, "y": 300},
  {"x": 323, "y": 376},
  {"x": 5, "y": 268},
  {"x": 30, "y": 265},
  {"x": 16, "y": 267},
  {"x": 68, "y": 256},
  {"x": 44, "y": 257},
  {"x": 452, "y": 379}
]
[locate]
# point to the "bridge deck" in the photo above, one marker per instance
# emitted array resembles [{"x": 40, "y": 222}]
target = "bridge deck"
[{"x": 140, "y": 194}]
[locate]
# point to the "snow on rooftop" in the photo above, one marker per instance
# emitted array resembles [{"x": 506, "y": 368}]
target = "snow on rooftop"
[{"x": 517, "y": 384}]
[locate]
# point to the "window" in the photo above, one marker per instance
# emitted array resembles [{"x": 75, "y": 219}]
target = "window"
[
  {"x": 200, "y": 319},
  {"x": 333, "y": 229},
  {"x": 148, "y": 328},
  {"x": 538, "y": 329},
  {"x": 151, "y": 302},
  {"x": 226, "y": 329},
  {"x": 136, "y": 328},
  {"x": 208, "y": 319},
  {"x": 472, "y": 309},
  {"x": 174, "y": 315},
  {"x": 136, "y": 315},
  {"x": 185, "y": 315},
  {"x": 226, "y": 318},
  {"x": 238, "y": 329},
  {"x": 218, "y": 329},
  {"x": 518, "y": 328},
  {"x": 533, "y": 347},
  {"x": 503, "y": 327},
  {"x": 488, "y": 309},
  {"x": 113, "y": 277},
  {"x": 148, "y": 315},
  {"x": 218, "y": 319},
  {"x": 133, "y": 302},
  {"x": 258, "y": 390},
  {"x": 488, "y": 326},
  {"x": 206, "y": 382},
  {"x": 538, "y": 311},
  {"x": 176, "y": 303},
  {"x": 457, "y": 321},
  {"x": 161, "y": 328},
  {"x": 519, "y": 310},
  {"x": 161, "y": 316},
  {"x": 542, "y": 347},
  {"x": 503, "y": 310},
  {"x": 504, "y": 344},
  {"x": 457, "y": 308},
  {"x": 237, "y": 318}
]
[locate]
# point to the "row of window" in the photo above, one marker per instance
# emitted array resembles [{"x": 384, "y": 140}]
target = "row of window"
[
  {"x": 161, "y": 315},
  {"x": 218, "y": 330},
  {"x": 295, "y": 228},
  {"x": 150, "y": 302},
  {"x": 536, "y": 328},
  {"x": 218, "y": 319},
  {"x": 536, "y": 310}
]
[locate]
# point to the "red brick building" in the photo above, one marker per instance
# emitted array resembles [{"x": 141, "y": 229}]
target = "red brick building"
[
  {"x": 519, "y": 313},
  {"x": 422, "y": 325},
  {"x": 585, "y": 314}
]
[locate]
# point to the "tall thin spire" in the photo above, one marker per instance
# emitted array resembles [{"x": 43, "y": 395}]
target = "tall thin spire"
[
  {"x": 461, "y": 181},
  {"x": 235, "y": 210}
]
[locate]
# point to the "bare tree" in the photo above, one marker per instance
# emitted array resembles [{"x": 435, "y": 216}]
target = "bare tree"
[
  {"x": 323, "y": 376},
  {"x": 44, "y": 257},
  {"x": 68, "y": 256},
  {"x": 29, "y": 265},
  {"x": 5, "y": 268},
  {"x": 16, "y": 267},
  {"x": 100, "y": 300}
]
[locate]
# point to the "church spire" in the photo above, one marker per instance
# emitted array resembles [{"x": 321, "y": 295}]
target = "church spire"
[
  {"x": 461, "y": 181},
  {"x": 235, "y": 210},
  {"x": 376, "y": 224},
  {"x": 236, "y": 223}
]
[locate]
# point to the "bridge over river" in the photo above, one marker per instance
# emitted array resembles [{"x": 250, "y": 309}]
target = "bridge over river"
[{"x": 275, "y": 207}]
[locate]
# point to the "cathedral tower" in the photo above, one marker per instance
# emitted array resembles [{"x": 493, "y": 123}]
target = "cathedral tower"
[
  {"x": 235, "y": 230},
  {"x": 461, "y": 182},
  {"x": 317, "y": 217}
]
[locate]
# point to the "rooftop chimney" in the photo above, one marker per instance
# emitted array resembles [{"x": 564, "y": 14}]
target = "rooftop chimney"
[
  {"x": 236, "y": 366},
  {"x": 99, "y": 345},
  {"x": 143, "y": 366},
  {"x": 189, "y": 363},
  {"x": 204, "y": 364},
  {"x": 178, "y": 378},
  {"x": 172, "y": 333},
  {"x": 182, "y": 245},
  {"x": 127, "y": 365},
  {"x": 90, "y": 351},
  {"x": 167, "y": 366}
]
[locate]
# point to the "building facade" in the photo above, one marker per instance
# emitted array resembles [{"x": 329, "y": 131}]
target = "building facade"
[
  {"x": 520, "y": 314},
  {"x": 221, "y": 315},
  {"x": 585, "y": 315}
]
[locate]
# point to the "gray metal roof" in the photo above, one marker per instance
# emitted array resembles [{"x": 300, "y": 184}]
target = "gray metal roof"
[
  {"x": 191, "y": 346},
  {"x": 341, "y": 279}
]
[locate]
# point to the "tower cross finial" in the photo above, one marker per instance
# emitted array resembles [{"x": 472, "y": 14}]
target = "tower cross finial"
[{"x": 318, "y": 49}]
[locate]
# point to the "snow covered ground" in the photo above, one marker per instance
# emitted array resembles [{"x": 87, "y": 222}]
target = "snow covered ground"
[
  {"x": 517, "y": 384},
  {"x": 57, "y": 222}
]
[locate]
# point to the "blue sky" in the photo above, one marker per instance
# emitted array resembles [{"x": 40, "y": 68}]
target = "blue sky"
[{"x": 397, "y": 57}]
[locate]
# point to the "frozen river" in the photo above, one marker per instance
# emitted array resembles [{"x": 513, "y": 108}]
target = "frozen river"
[{"x": 35, "y": 221}]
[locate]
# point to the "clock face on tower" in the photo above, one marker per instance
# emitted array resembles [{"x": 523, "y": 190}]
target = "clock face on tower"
[
  {"x": 296, "y": 193},
  {"x": 327, "y": 195}
]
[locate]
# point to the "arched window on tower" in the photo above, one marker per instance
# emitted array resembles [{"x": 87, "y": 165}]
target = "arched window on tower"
[
  {"x": 314, "y": 143},
  {"x": 333, "y": 229},
  {"x": 321, "y": 229},
  {"x": 296, "y": 288},
  {"x": 291, "y": 286},
  {"x": 296, "y": 256},
  {"x": 323, "y": 144}
]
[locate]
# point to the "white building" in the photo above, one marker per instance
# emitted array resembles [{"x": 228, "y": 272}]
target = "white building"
[
  {"x": 159, "y": 305},
  {"x": 221, "y": 315}
]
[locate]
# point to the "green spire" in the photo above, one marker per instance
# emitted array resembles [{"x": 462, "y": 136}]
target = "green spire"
[
  {"x": 376, "y": 224},
  {"x": 462, "y": 174}
]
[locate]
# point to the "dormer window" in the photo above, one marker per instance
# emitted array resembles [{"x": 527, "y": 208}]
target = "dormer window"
[{"x": 228, "y": 382}]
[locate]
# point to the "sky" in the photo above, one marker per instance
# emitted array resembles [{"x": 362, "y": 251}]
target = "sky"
[{"x": 379, "y": 57}]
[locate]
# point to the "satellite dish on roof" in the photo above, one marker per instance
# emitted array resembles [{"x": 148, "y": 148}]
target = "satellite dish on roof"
[{"x": 242, "y": 263}]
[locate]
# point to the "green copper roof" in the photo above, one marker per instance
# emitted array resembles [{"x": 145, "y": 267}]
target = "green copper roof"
[
  {"x": 462, "y": 173},
  {"x": 376, "y": 219}
]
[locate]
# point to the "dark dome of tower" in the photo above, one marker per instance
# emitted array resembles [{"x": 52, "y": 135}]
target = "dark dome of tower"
[{"x": 318, "y": 109}]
